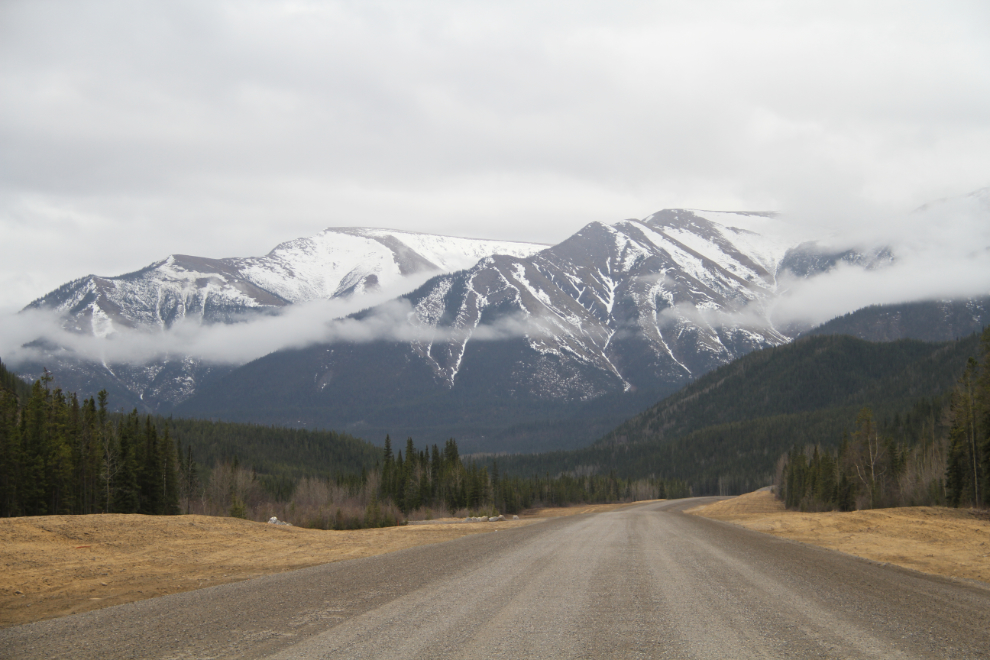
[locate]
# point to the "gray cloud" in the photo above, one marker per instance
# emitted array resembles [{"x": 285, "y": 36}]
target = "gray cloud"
[{"x": 133, "y": 130}]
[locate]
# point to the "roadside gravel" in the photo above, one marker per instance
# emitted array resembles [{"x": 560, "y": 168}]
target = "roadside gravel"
[{"x": 641, "y": 582}]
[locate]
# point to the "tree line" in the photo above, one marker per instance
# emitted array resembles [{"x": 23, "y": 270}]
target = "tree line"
[
  {"x": 437, "y": 478},
  {"x": 62, "y": 456},
  {"x": 410, "y": 484},
  {"x": 938, "y": 454}
]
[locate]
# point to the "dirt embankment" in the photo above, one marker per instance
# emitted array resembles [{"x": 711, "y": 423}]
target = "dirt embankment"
[
  {"x": 58, "y": 565},
  {"x": 937, "y": 540}
]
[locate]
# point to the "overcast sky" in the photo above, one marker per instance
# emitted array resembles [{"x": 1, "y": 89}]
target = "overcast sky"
[{"x": 132, "y": 130}]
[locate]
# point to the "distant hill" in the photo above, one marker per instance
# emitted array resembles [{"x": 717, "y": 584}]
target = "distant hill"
[
  {"x": 724, "y": 432},
  {"x": 274, "y": 451},
  {"x": 814, "y": 373},
  {"x": 939, "y": 320}
]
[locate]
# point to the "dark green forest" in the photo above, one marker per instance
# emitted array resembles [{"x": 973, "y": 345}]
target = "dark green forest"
[
  {"x": 936, "y": 455},
  {"x": 62, "y": 456},
  {"x": 724, "y": 433},
  {"x": 933, "y": 320},
  {"x": 283, "y": 453}
]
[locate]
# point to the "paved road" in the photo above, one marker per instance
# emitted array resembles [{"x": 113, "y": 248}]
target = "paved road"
[{"x": 644, "y": 582}]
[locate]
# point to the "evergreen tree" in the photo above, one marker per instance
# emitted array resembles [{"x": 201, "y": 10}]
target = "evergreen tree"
[
  {"x": 388, "y": 470},
  {"x": 982, "y": 405},
  {"x": 126, "y": 494},
  {"x": 962, "y": 471},
  {"x": 11, "y": 455},
  {"x": 187, "y": 475},
  {"x": 170, "y": 476},
  {"x": 149, "y": 474},
  {"x": 34, "y": 438},
  {"x": 848, "y": 484},
  {"x": 87, "y": 460}
]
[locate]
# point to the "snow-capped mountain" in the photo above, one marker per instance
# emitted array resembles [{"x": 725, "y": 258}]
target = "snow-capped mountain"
[
  {"x": 637, "y": 303},
  {"x": 506, "y": 346},
  {"x": 488, "y": 334},
  {"x": 615, "y": 315},
  {"x": 336, "y": 263}
]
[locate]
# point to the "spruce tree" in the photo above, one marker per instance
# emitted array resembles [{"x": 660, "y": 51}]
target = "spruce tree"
[
  {"x": 848, "y": 484},
  {"x": 982, "y": 405},
  {"x": 962, "y": 477},
  {"x": 11, "y": 454},
  {"x": 126, "y": 494},
  {"x": 170, "y": 476},
  {"x": 388, "y": 471},
  {"x": 149, "y": 474},
  {"x": 33, "y": 483}
]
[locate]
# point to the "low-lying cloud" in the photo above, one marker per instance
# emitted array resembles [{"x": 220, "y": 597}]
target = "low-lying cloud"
[
  {"x": 39, "y": 335},
  {"x": 940, "y": 251}
]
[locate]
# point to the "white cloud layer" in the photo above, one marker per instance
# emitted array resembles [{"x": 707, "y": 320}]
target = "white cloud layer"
[
  {"x": 130, "y": 131},
  {"x": 940, "y": 252},
  {"x": 297, "y": 326}
]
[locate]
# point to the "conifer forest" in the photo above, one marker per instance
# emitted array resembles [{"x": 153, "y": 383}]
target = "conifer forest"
[
  {"x": 936, "y": 455},
  {"x": 62, "y": 456}
]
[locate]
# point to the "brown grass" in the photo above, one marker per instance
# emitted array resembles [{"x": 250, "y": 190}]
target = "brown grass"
[
  {"x": 936, "y": 540},
  {"x": 58, "y": 565}
]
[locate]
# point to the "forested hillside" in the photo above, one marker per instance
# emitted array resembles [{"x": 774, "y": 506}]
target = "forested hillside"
[
  {"x": 934, "y": 320},
  {"x": 807, "y": 375},
  {"x": 281, "y": 452},
  {"x": 725, "y": 432},
  {"x": 938, "y": 457}
]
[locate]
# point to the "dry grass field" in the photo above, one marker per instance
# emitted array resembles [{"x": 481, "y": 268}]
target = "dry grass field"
[
  {"x": 937, "y": 540},
  {"x": 58, "y": 565}
]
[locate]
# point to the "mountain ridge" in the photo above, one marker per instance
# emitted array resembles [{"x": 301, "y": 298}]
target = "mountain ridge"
[
  {"x": 535, "y": 350},
  {"x": 335, "y": 264},
  {"x": 617, "y": 313}
]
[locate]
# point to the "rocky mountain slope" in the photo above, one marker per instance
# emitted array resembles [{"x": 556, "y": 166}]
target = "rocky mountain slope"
[
  {"x": 336, "y": 264},
  {"x": 583, "y": 333}
]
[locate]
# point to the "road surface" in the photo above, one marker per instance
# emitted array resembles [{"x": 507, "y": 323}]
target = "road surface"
[{"x": 642, "y": 582}]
